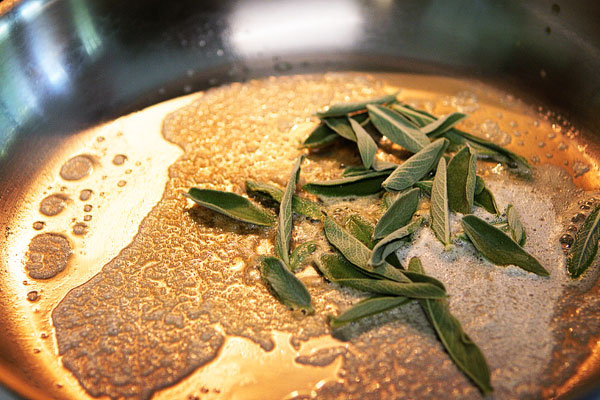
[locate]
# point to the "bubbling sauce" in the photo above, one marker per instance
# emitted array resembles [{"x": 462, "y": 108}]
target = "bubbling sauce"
[{"x": 166, "y": 307}]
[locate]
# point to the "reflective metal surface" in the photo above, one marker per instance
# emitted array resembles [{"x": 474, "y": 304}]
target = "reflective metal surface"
[{"x": 69, "y": 64}]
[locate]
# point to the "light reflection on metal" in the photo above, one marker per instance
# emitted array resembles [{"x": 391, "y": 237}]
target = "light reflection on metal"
[
  {"x": 85, "y": 28},
  {"x": 267, "y": 26},
  {"x": 4, "y": 29},
  {"x": 30, "y": 9}
]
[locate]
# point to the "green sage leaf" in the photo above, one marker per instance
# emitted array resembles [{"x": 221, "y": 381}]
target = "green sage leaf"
[
  {"x": 462, "y": 175},
  {"x": 425, "y": 186},
  {"x": 392, "y": 242},
  {"x": 321, "y": 136},
  {"x": 438, "y": 127},
  {"x": 517, "y": 230},
  {"x": 286, "y": 287},
  {"x": 419, "y": 117},
  {"x": 498, "y": 247},
  {"x": 486, "y": 200},
  {"x": 585, "y": 247},
  {"x": 302, "y": 255},
  {"x": 366, "y": 145},
  {"x": 461, "y": 348},
  {"x": 342, "y": 109},
  {"x": 479, "y": 185},
  {"x": 398, "y": 214},
  {"x": 416, "y": 167},
  {"x": 386, "y": 287},
  {"x": 300, "y": 205},
  {"x": 360, "y": 185},
  {"x": 361, "y": 229},
  {"x": 397, "y": 128},
  {"x": 334, "y": 267},
  {"x": 284, "y": 226},
  {"x": 232, "y": 205},
  {"x": 366, "y": 308},
  {"x": 341, "y": 126},
  {"x": 440, "y": 223}
]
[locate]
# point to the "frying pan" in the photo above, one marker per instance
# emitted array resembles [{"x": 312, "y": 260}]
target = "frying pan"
[{"x": 66, "y": 65}]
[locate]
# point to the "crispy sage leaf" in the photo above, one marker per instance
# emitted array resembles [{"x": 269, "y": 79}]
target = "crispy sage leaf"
[
  {"x": 232, "y": 205},
  {"x": 397, "y": 128},
  {"x": 321, "y": 136},
  {"x": 425, "y": 186},
  {"x": 412, "y": 290},
  {"x": 360, "y": 185},
  {"x": 462, "y": 175},
  {"x": 392, "y": 242},
  {"x": 302, "y": 255},
  {"x": 479, "y": 185},
  {"x": 486, "y": 200},
  {"x": 366, "y": 308},
  {"x": 416, "y": 167},
  {"x": 436, "y": 128},
  {"x": 284, "y": 226},
  {"x": 366, "y": 145},
  {"x": 287, "y": 288},
  {"x": 498, "y": 247},
  {"x": 398, "y": 214},
  {"x": 517, "y": 230},
  {"x": 585, "y": 246},
  {"x": 342, "y": 109},
  {"x": 300, "y": 205},
  {"x": 465, "y": 354},
  {"x": 440, "y": 223},
  {"x": 334, "y": 267},
  {"x": 341, "y": 126},
  {"x": 361, "y": 229},
  {"x": 357, "y": 253},
  {"x": 419, "y": 117}
]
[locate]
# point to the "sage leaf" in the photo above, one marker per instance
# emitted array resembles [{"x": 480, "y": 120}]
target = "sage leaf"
[
  {"x": 440, "y": 223},
  {"x": 357, "y": 253},
  {"x": 416, "y": 167},
  {"x": 302, "y": 255},
  {"x": 284, "y": 226},
  {"x": 232, "y": 205},
  {"x": 360, "y": 185},
  {"x": 366, "y": 308},
  {"x": 321, "y": 136},
  {"x": 397, "y": 128},
  {"x": 386, "y": 287},
  {"x": 398, "y": 214},
  {"x": 436, "y": 128},
  {"x": 479, "y": 185},
  {"x": 486, "y": 200},
  {"x": 461, "y": 348},
  {"x": 366, "y": 145},
  {"x": 378, "y": 166},
  {"x": 425, "y": 186},
  {"x": 498, "y": 247},
  {"x": 287, "y": 288},
  {"x": 462, "y": 174},
  {"x": 334, "y": 267},
  {"x": 517, "y": 230},
  {"x": 419, "y": 117},
  {"x": 361, "y": 229},
  {"x": 392, "y": 242},
  {"x": 300, "y": 205},
  {"x": 585, "y": 247},
  {"x": 341, "y": 126},
  {"x": 342, "y": 109}
]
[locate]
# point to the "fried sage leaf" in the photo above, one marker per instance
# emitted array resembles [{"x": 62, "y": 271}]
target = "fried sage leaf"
[
  {"x": 286, "y": 287},
  {"x": 517, "y": 230},
  {"x": 359, "y": 185},
  {"x": 342, "y": 109},
  {"x": 302, "y": 255},
  {"x": 498, "y": 247},
  {"x": 361, "y": 229},
  {"x": 462, "y": 175},
  {"x": 232, "y": 205},
  {"x": 420, "y": 290},
  {"x": 436, "y": 128},
  {"x": 419, "y": 117},
  {"x": 425, "y": 186},
  {"x": 485, "y": 199},
  {"x": 284, "y": 226},
  {"x": 585, "y": 247},
  {"x": 398, "y": 214},
  {"x": 341, "y": 126},
  {"x": 440, "y": 224},
  {"x": 416, "y": 167},
  {"x": 321, "y": 136},
  {"x": 334, "y": 267},
  {"x": 366, "y": 308},
  {"x": 300, "y": 205},
  {"x": 366, "y": 145},
  {"x": 397, "y": 128},
  {"x": 461, "y": 348},
  {"x": 392, "y": 242}
]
